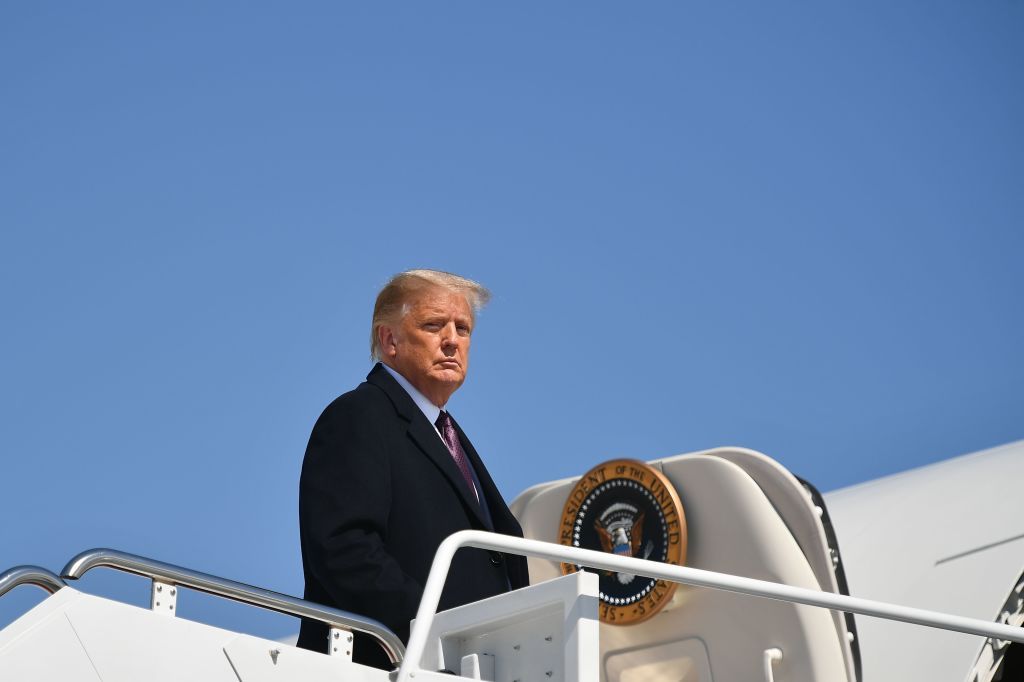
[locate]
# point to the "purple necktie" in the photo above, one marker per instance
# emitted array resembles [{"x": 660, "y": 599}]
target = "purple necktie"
[{"x": 451, "y": 439}]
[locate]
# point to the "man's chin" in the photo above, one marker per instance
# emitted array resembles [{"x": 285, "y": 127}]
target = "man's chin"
[{"x": 450, "y": 378}]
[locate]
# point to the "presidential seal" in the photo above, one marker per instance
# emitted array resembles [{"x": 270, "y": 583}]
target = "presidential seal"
[{"x": 629, "y": 508}]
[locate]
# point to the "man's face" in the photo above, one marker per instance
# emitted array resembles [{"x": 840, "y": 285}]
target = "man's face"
[{"x": 429, "y": 346}]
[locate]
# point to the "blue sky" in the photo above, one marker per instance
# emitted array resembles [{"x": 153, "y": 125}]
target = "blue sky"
[{"x": 793, "y": 227}]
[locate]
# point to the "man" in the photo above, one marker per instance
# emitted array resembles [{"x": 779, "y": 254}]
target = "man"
[{"x": 388, "y": 474}]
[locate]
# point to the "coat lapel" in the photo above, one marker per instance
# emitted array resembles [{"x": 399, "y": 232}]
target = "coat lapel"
[
  {"x": 426, "y": 437},
  {"x": 495, "y": 502},
  {"x": 423, "y": 434}
]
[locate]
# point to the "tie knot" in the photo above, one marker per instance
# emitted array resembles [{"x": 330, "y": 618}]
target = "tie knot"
[{"x": 446, "y": 428}]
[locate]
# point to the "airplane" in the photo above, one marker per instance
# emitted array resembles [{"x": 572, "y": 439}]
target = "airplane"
[{"x": 712, "y": 565}]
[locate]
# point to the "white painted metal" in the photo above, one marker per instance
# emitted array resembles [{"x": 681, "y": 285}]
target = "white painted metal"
[
  {"x": 254, "y": 661},
  {"x": 946, "y": 537},
  {"x": 163, "y": 598},
  {"x": 746, "y": 516},
  {"x": 43, "y": 645},
  {"x": 340, "y": 643},
  {"x": 477, "y": 667},
  {"x": 543, "y": 632},
  {"x": 75, "y": 636},
  {"x": 771, "y": 657},
  {"x": 230, "y": 589},
  {"x": 987, "y": 666},
  {"x": 793, "y": 503},
  {"x": 677, "y": 660},
  {"x": 692, "y": 576},
  {"x": 749, "y": 517},
  {"x": 790, "y": 500}
]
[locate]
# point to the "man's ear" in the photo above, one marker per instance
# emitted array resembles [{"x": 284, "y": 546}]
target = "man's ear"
[{"x": 388, "y": 343}]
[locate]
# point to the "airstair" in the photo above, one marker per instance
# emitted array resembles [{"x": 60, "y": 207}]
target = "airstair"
[
  {"x": 761, "y": 597},
  {"x": 545, "y": 632}
]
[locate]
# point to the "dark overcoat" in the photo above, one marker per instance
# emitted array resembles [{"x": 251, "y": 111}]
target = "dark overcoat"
[{"x": 379, "y": 491}]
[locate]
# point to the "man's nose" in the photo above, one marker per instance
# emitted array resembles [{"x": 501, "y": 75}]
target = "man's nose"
[{"x": 449, "y": 336}]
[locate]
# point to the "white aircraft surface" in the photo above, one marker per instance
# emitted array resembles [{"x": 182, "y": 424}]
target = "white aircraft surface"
[{"x": 933, "y": 559}]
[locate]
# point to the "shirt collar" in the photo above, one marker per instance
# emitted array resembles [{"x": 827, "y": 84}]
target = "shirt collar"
[{"x": 429, "y": 409}]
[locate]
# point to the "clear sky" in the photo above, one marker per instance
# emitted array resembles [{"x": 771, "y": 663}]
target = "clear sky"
[{"x": 795, "y": 227}]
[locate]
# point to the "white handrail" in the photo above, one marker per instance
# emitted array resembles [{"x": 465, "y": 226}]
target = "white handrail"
[
  {"x": 771, "y": 657},
  {"x": 679, "y": 574}
]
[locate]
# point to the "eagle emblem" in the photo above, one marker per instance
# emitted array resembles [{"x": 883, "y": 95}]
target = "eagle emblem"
[
  {"x": 627, "y": 508},
  {"x": 621, "y": 531}
]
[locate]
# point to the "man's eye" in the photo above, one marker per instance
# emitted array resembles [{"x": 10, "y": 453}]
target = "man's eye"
[
  {"x": 464, "y": 331},
  {"x": 432, "y": 326}
]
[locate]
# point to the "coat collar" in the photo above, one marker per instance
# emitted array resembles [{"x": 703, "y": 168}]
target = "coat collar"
[
  {"x": 427, "y": 439},
  {"x": 429, "y": 409}
]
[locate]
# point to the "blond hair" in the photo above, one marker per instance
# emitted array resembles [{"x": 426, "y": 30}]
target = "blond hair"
[{"x": 393, "y": 300}]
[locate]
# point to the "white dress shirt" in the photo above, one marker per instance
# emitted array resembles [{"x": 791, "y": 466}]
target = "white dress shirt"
[
  {"x": 432, "y": 412},
  {"x": 429, "y": 409}
]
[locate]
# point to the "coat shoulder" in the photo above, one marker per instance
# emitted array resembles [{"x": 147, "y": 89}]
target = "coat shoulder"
[
  {"x": 363, "y": 415},
  {"x": 362, "y": 402}
]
